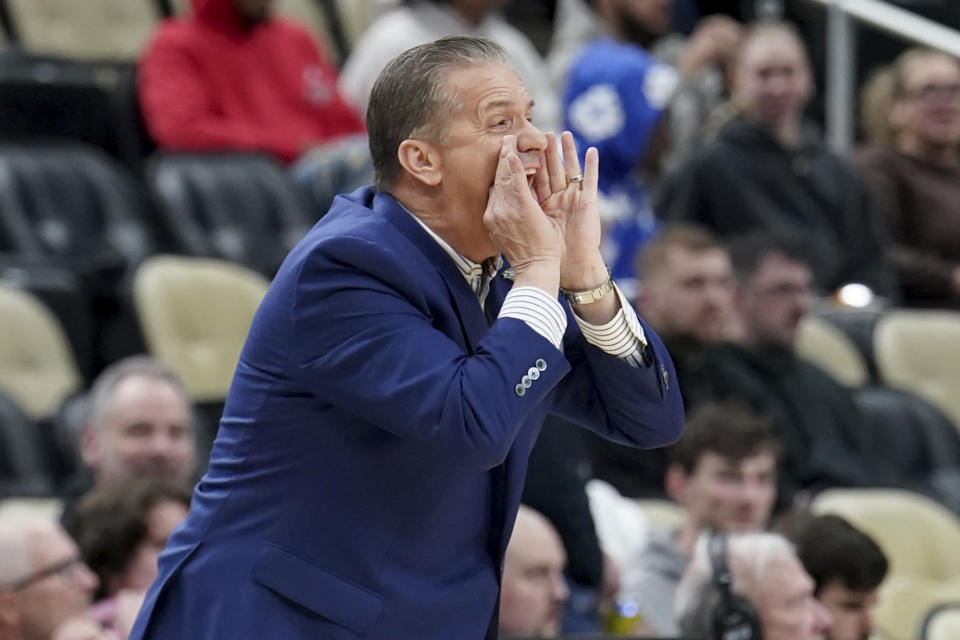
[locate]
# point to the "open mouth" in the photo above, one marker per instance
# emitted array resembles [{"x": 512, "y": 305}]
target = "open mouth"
[{"x": 531, "y": 177}]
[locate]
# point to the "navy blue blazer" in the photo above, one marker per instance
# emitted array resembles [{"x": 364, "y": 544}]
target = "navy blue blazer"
[{"x": 370, "y": 459}]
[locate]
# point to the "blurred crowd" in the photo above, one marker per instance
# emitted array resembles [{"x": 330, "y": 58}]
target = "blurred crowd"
[{"x": 738, "y": 234}]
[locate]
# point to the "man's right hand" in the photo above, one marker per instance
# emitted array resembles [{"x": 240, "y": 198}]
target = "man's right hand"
[{"x": 528, "y": 238}]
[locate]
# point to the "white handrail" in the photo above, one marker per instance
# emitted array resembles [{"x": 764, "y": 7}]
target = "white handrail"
[
  {"x": 900, "y": 22},
  {"x": 841, "y": 43}
]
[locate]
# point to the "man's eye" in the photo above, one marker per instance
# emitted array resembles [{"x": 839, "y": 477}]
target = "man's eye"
[{"x": 501, "y": 123}]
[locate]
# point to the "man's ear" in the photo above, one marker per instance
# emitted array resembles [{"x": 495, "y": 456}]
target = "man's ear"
[
  {"x": 9, "y": 609},
  {"x": 675, "y": 481},
  {"x": 90, "y": 446},
  {"x": 421, "y": 160}
]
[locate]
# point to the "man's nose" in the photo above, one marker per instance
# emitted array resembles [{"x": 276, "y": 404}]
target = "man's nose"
[
  {"x": 86, "y": 579},
  {"x": 560, "y": 590},
  {"x": 530, "y": 138}
]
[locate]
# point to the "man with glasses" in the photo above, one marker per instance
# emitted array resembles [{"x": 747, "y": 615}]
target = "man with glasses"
[
  {"x": 826, "y": 440},
  {"x": 43, "y": 583}
]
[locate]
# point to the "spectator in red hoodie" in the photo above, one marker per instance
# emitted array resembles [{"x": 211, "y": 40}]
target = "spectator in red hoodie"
[{"x": 232, "y": 77}]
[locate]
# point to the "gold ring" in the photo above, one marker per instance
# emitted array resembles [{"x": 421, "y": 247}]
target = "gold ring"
[{"x": 576, "y": 178}]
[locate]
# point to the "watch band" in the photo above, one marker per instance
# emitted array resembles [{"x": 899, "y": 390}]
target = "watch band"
[{"x": 590, "y": 295}]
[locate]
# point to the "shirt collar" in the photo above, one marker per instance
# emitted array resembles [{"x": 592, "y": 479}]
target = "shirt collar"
[{"x": 475, "y": 274}]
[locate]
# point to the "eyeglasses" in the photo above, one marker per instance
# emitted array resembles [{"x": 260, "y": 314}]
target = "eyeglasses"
[
  {"x": 68, "y": 568},
  {"x": 935, "y": 92}
]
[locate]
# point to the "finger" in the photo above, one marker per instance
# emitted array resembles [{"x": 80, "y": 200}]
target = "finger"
[
  {"x": 558, "y": 181},
  {"x": 591, "y": 172},
  {"x": 570, "y": 162},
  {"x": 541, "y": 181},
  {"x": 507, "y": 147}
]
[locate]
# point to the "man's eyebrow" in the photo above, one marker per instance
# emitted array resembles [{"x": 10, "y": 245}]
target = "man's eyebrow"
[{"x": 503, "y": 103}]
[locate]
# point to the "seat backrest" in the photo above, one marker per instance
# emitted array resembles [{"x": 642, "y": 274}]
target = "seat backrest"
[
  {"x": 72, "y": 201},
  {"x": 942, "y": 622},
  {"x": 910, "y": 433},
  {"x": 904, "y": 602},
  {"x": 822, "y": 343},
  {"x": 919, "y": 350},
  {"x": 88, "y": 30},
  {"x": 37, "y": 367},
  {"x": 195, "y": 314},
  {"x": 919, "y": 536},
  {"x": 239, "y": 207},
  {"x": 23, "y": 464}
]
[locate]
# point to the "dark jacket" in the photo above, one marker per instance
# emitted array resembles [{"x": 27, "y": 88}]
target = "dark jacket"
[{"x": 746, "y": 181}]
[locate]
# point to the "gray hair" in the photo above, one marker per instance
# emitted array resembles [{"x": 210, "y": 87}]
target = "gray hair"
[
  {"x": 749, "y": 558},
  {"x": 410, "y": 98},
  {"x": 101, "y": 395},
  {"x": 16, "y": 532}
]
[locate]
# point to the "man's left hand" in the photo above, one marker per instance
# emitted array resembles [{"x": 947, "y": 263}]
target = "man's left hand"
[{"x": 570, "y": 197}]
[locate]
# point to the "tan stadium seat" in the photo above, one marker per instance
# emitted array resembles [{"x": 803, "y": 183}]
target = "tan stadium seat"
[
  {"x": 903, "y": 603},
  {"x": 820, "y": 342},
  {"x": 920, "y": 351},
  {"x": 662, "y": 513},
  {"x": 195, "y": 314},
  {"x": 37, "y": 366},
  {"x": 920, "y": 537},
  {"x": 85, "y": 29},
  {"x": 942, "y": 622},
  {"x": 47, "y": 508}
]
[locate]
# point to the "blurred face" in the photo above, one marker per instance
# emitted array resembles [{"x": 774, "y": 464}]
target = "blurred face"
[
  {"x": 58, "y": 595},
  {"x": 146, "y": 432},
  {"x": 730, "y": 495},
  {"x": 253, "y": 11},
  {"x": 494, "y": 103},
  {"x": 929, "y": 106},
  {"x": 142, "y": 570},
  {"x": 786, "y": 606},
  {"x": 852, "y": 611},
  {"x": 772, "y": 79},
  {"x": 534, "y": 590},
  {"x": 774, "y": 300},
  {"x": 691, "y": 295}
]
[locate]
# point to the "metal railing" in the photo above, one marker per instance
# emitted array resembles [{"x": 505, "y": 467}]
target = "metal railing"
[{"x": 841, "y": 49}]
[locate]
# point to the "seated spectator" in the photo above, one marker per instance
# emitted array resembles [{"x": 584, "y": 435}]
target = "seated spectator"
[
  {"x": 121, "y": 530},
  {"x": 232, "y": 77},
  {"x": 616, "y": 96},
  {"x": 533, "y": 590},
  {"x": 827, "y": 441},
  {"x": 420, "y": 21},
  {"x": 723, "y": 474},
  {"x": 686, "y": 295},
  {"x": 847, "y": 568},
  {"x": 140, "y": 424},
  {"x": 757, "y": 574},
  {"x": 44, "y": 584},
  {"x": 555, "y": 486},
  {"x": 768, "y": 171},
  {"x": 915, "y": 179}
]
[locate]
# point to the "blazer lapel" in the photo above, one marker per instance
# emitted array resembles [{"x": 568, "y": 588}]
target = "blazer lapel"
[{"x": 465, "y": 304}]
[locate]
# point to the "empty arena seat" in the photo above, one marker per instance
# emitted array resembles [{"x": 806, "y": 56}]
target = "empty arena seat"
[
  {"x": 919, "y": 350},
  {"x": 23, "y": 469},
  {"x": 195, "y": 314},
  {"x": 825, "y": 345},
  {"x": 72, "y": 202},
  {"x": 238, "y": 207},
  {"x": 915, "y": 440},
  {"x": 942, "y": 622},
  {"x": 37, "y": 367},
  {"x": 88, "y": 30}
]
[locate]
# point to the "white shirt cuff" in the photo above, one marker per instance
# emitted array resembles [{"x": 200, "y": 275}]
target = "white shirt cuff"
[
  {"x": 539, "y": 310},
  {"x": 622, "y": 336}
]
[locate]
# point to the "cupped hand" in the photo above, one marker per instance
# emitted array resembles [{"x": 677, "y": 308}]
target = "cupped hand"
[
  {"x": 530, "y": 240},
  {"x": 574, "y": 205}
]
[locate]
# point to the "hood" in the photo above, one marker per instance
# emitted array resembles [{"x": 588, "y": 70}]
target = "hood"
[{"x": 222, "y": 14}]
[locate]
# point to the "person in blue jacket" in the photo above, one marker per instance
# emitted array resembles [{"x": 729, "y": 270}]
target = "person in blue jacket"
[{"x": 370, "y": 459}]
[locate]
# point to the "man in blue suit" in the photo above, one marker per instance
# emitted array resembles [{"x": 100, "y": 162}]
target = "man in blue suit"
[{"x": 371, "y": 455}]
